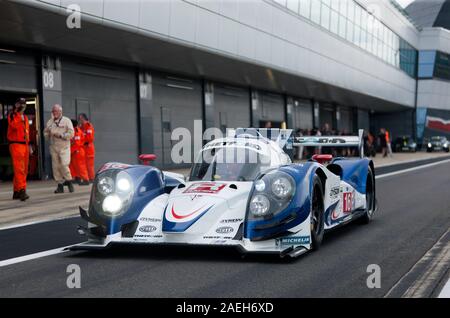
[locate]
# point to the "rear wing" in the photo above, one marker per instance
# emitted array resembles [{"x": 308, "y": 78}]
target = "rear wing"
[
  {"x": 283, "y": 137},
  {"x": 332, "y": 141}
]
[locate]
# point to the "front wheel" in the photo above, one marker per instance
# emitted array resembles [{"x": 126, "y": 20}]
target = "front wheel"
[
  {"x": 370, "y": 198},
  {"x": 317, "y": 218}
]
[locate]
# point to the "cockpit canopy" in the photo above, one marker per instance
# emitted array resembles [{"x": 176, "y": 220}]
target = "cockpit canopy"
[{"x": 229, "y": 163}]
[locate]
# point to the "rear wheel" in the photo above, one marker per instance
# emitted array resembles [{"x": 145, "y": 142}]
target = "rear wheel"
[
  {"x": 317, "y": 218},
  {"x": 370, "y": 198}
]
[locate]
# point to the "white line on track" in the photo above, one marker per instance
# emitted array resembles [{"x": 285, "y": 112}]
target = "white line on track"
[
  {"x": 411, "y": 169},
  {"x": 29, "y": 257},
  {"x": 445, "y": 292},
  {"x": 64, "y": 249}
]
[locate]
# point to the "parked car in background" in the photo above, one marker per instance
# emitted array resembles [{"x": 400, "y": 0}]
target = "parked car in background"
[
  {"x": 404, "y": 144},
  {"x": 437, "y": 143}
]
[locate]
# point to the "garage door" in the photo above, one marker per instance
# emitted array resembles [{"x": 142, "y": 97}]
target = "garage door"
[
  {"x": 326, "y": 116},
  {"x": 177, "y": 102},
  {"x": 18, "y": 71},
  {"x": 108, "y": 96},
  {"x": 345, "y": 120},
  {"x": 271, "y": 110},
  {"x": 302, "y": 114},
  {"x": 231, "y": 107}
]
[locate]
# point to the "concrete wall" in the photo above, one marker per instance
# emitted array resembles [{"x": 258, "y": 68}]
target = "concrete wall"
[
  {"x": 436, "y": 39},
  {"x": 434, "y": 94}
]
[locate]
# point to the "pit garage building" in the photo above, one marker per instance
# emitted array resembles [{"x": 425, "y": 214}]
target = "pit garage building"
[{"x": 142, "y": 68}]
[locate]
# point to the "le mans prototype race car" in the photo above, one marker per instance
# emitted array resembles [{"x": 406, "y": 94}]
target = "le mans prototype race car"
[{"x": 248, "y": 194}]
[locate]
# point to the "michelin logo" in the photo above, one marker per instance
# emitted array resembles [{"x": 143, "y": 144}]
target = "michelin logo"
[{"x": 295, "y": 240}]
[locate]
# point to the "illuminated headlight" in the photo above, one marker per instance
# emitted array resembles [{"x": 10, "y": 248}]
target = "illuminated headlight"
[
  {"x": 105, "y": 185},
  {"x": 259, "y": 205},
  {"x": 112, "y": 204},
  {"x": 115, "y": 190},
  {"x": 282, "y": 187},
  {"x": 429, "y": 145},
  {"x": 124, "y": 182},
  {"x": 445, "y": 145}
]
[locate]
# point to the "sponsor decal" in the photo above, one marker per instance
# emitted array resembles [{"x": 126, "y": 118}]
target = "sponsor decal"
[
  {"x": 147, "y": 228},
  {"x": 205, "y": 187},
  {"x": 347, "y": 203},
  {"x": 320, "y": 140},
  {"x": 226, "y": 221},
  {"x": 147, "y": 236},
  {"x": 237, "y": 142},
  {"x": 144, "y": 219},
  {"x": 335, "y": 214},
  {"x": 180, "y": 216},
  {"x": 224, "y": 230},
  {"x": 295, "y": 240},
  {"x": 208, "y": 237},
  {"x": 113, "y": 165},
  {"x": 334, "y": 192}
]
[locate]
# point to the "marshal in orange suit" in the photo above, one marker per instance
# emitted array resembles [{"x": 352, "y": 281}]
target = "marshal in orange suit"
[
  {"x": 18, "y": 138},
  {"x": 77, "y": 166},
  {"x": 89, "y": 148}
]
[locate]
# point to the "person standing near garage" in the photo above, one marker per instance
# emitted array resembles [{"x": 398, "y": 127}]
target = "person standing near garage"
[
  {"x": 77, "y": 166},
  {"x": 18, "y": 138},
  {"x": 89, "y": 148},
  {"x": 59, "y": 131}
]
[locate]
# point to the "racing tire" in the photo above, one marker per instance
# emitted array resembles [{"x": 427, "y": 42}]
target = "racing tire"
[
  {"x": 370, "y": 198},
  {"x": 317, "y": 214}
]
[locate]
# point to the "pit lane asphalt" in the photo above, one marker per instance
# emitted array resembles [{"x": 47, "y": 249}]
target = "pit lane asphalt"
[{"x": 414, "y": 211}]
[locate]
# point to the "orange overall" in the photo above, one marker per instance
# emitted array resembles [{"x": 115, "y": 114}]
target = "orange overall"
[
  {"x": 18, "y": 138},
  {"x": 89, "y": 149},
  {"x": 77, "y": 156}
]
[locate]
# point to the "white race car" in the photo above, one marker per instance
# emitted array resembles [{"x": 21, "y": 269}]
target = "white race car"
[{"x": 244, "y": 191}]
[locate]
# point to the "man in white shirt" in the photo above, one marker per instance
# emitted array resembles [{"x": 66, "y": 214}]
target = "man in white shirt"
[{"x": 59, "y": 131}]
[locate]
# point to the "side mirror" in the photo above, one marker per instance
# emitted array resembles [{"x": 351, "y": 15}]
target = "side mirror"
[{"x": 146, "y": 159}]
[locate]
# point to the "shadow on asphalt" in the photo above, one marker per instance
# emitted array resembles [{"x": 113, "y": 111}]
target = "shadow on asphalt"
[{"x": 208, "y": 253}]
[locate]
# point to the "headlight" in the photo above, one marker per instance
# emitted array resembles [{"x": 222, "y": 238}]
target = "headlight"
[
  {"x": 112, "y": 204},
  {"x": 260, "y": 185},
  {"x": 105, "y": 185},
  {"x": 445, "y": 145},
  {"x": 259, "y": 205},
  {"x": 114, "y": 195},
  {"x": 282, "y": 187},
  {"x": 123, "y": 182},
  {"x": 429, "y": 145},
  {"x": 272, "y": 194}
]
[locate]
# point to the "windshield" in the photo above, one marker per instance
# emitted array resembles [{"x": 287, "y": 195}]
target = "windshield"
[
  {"x": 229, "y": 164},
  {"x": 436, "y": 138}
]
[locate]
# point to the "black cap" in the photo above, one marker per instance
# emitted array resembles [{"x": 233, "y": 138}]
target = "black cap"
[{"x": 21, "y": 100}]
